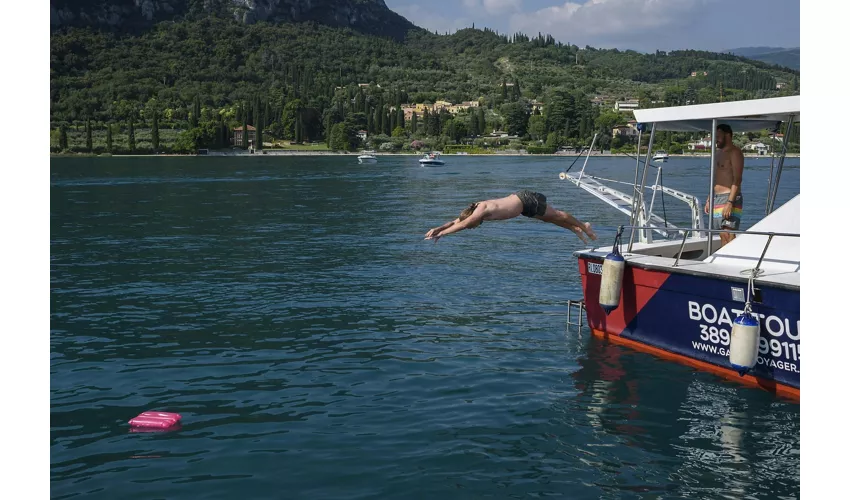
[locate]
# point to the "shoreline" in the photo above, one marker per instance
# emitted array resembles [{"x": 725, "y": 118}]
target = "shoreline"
[{"x": 337, "y": 153}]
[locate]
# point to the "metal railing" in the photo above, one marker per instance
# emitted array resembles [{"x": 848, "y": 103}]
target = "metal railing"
[{"x": 687, "y": 231}]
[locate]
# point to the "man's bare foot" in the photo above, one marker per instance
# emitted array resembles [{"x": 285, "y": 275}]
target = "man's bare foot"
[{"x": 589, "y": 231}]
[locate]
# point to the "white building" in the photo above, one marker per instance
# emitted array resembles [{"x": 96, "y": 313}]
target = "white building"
[
  {"x": 629, "y": 130},
  {"x": 627, "y": 105},
  {"x": 759, "y": 147}
]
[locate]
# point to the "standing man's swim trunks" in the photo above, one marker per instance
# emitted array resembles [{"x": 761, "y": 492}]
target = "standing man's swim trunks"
[
  {"x": 533, "y": 204},
  {"x": 734, "y": 220}
]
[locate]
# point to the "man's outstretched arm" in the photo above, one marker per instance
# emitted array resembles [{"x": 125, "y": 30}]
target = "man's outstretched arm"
[
  {"x": 471, "y": 221},
  {"x": 447, "y": 225}
]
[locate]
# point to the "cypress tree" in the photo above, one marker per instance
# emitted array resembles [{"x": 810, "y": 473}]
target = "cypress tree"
[
  {"x": 400, "y": 118},
  {"x": 413, "y": 122},
  {"x": 63, "y": 138},
  {"x": 109, "y": 137},
  {"x": 193, "y": 116},
  {"x": 393, "y": 118},
  {"x": 244, "y": 125},
  {"x": 131, "y": 138},
  {"x": 504, "y": 90},
  {"x": 155, "y": 132},
  {"x": 88, "y": 136},
  {"x": 298, "y": 128},
  {"x": 259, "y": 127},
  {"x": 328, "y": 130}
]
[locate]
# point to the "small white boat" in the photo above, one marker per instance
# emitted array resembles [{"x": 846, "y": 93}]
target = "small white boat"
[
  {"x": 367, "y": 157},
  {"x": 429, "y": 159},
  {"x": 661, "y": 155}
]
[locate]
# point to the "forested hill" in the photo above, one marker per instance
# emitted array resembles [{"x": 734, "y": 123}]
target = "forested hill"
[
  {"x": 303, "y": 78},
  {"x": 790, "y": 58},
  {"x": 366, "y": 16}
]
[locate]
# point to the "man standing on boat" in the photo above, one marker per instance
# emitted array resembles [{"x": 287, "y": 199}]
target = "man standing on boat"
[
  {"x": 728, "y": 171},
  {"x": 524, "y": 202}
]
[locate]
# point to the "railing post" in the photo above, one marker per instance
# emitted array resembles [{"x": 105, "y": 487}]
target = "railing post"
[
  {"x": 772, "y": 196},
  {"x": 681, "y": 248},
  {"x": 763, "y": 253},
  {"x": 639, "y": 206},
  {"x": 711, "y": 188},
  {"x": 633, "y": 217}
]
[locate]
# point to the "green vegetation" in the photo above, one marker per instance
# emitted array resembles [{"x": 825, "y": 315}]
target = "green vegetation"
[{"x": 187, "y": 84}]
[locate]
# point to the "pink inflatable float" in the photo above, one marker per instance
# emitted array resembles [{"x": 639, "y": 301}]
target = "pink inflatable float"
[{"x": 155, "y": 420}]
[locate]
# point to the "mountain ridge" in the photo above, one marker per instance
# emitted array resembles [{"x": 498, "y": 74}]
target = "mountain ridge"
[
  {"x": 788, "y": 57},
  {"x": 135, "y": 16}
]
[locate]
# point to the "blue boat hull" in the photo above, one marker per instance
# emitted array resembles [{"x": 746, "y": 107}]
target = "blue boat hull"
[{"x": 688, "y": 318}]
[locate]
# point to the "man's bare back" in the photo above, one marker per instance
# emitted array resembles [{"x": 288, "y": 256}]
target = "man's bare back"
[
  {"x": 501, "y": 208},
  {"x": 524, "y": 202}
]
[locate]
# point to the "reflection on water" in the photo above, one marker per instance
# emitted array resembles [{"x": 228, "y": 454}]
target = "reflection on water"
[{"x": 314, "y": 344}]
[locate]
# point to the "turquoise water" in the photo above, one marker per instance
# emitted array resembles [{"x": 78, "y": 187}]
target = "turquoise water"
[{"x": 317, "y": 347}]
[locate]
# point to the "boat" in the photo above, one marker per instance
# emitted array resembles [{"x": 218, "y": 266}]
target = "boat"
[
  {"x": 660, "y": 155},
  {"x": 429, "y": 159},
  {"x": 681, "y": 292},
  {"x": 367, "y": 157}
]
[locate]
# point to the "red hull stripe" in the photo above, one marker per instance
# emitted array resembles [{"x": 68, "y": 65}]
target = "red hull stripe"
[
  {"x": 644, "y": 283},
  {"x": 748, "y": 380}
]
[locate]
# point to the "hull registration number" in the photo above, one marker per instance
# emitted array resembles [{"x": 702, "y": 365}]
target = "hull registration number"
[{"x": 594, "y": 268}]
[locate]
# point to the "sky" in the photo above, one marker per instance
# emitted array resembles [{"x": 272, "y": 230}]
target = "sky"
[{"x": 643, "y": 25}]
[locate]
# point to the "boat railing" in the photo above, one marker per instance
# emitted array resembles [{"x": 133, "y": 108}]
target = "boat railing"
[{"x": 686, "y": 231}]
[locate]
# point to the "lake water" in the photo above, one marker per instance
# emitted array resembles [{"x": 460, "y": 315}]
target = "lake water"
[{"x": 317, "y": 347}]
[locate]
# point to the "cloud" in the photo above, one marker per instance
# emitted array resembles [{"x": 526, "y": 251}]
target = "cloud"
[
  {"x": 610, "y": 20},
  {"x": 431, "y": 20},
  {"x": 495, "y": 7}
]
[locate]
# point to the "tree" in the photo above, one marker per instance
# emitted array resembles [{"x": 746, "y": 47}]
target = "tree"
[
  {"x": 400, "y": 117},
  {"x": 63, "y": 138},
  {"x": 516, "y": 116},
  {"x": 413, "y": 123},
  {"x": 328, "y": 130},
  {"x": 258, "y": 117},
  {"x": 195, "y": 115},
  {"x": 340, "y": 137},
  {"x": 244, "y": 125},
  {"x": 155, "y": 132},
  {"x": 482, "y": 127},
  {"x": 537, "y": 127},
  {"x": 298, "y": 130},
  {"x": 291, "y": 113},
  {"x": 109, "y": 137},
  {"x": 131, "y": 136},
  {"x": 607, "y": 120},
  {"x": 88, "y": 136},
  {"x": 398, "y": 132}
]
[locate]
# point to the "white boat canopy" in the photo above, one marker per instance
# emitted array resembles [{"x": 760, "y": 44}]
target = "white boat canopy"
[{"x": 742, "y": 116}]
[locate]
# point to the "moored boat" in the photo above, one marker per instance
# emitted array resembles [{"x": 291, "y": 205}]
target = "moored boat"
[{"x": 681, "y": 296}]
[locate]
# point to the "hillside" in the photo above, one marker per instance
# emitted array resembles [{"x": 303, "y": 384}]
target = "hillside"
[
  {"x": 205, "y": 73},
  {"x": 366, "y": 16},
  {"x": 789, "y": 58}
]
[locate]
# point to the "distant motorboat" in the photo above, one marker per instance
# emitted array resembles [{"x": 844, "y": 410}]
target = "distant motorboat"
[
  {"x": 429, "y": 159},
  {"x": 367, "y": 157},
  {"x": 661, "y": 155}
]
